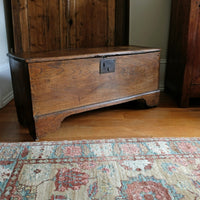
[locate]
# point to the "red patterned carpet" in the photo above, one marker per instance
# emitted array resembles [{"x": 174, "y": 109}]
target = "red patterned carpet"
[{"x": 137, "y": 169}]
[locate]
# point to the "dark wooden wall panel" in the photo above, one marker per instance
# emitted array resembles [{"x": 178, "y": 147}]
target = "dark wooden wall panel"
[
  {"x": 91, "y": 22},
  {"x": 122, "y": 22},
  {"x": 44, "y": 25},
  {"x": 20, "y": 25}
]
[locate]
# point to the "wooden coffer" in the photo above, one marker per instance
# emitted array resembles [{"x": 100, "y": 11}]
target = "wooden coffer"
[{"x": 50, "y": 86}]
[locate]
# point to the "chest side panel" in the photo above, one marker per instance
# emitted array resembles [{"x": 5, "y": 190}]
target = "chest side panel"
[{"x": 61, "y": 85}]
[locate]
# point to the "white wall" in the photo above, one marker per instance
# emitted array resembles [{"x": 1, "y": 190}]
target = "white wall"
[
  {"x": 6, "y": 93},
  {"x": 149, "y": 26}
]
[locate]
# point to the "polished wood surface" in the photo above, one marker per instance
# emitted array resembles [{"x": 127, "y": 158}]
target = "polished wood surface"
[
  {"x": 70, "y": 82},
  {"x": 183, "y": 69},
  {"x": 122, "y": 121},
  {"x": 52, "y": 25},
  {"x": 63, "y": 85},
  {"x": 80, "y": 53}
]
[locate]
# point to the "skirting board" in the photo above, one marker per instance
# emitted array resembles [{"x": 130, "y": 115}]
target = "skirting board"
[
  {"x": 6, "y": 93},
  {"x": 163, "y": 63},
  {"x": 6, "y": 99}
]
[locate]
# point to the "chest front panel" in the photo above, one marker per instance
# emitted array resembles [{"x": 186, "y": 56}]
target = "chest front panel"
[{"x": 61, "y": 85}]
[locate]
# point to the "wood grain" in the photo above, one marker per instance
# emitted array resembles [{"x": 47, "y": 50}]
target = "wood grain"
[
  {"x": 44, "y": 28},
  {"x": 43, "y": 25},
  {"x": 20, "y": 30},
  {"x": 95, "y": 24},
  {"x": 183, "y": 71},
  {"x": 63, "y": 85},
  {"x": 49, "y": 123},
  {"x": 81, "y": 53}
]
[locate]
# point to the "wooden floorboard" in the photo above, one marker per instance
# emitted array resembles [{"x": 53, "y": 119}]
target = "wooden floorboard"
[{"x": 124, "y": 121}]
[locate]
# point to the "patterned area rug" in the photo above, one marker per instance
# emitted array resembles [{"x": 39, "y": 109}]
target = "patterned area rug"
[{"x": 134, "y": 169}]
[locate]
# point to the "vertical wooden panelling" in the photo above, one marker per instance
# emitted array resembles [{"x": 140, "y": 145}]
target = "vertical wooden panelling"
[
  {"x": 43, "y": 25},
  {"x": 20, "y": 25},
  {"x": 72, "y": 12},
  {"x": 122, "y": 22},
  {"x": 37, "y": 20},
  {"x": 63, "y": 8},
  {"x": 92, "y": 26},
  {"x": 53, "y": 24},
  {"x": 111, "y": 23}
]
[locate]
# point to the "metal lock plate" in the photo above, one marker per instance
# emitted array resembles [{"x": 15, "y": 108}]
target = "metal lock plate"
[{"x": 107, "y": 66}]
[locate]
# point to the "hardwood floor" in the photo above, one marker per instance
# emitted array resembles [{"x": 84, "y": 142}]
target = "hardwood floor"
[{"x": 123, "y": 121}]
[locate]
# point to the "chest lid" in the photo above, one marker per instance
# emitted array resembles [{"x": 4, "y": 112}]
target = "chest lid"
[{"x": 81, "y": 53}]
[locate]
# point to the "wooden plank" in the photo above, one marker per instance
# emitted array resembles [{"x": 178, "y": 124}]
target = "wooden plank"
[
  {"x": 122, "y": 22},
  {"x": 44, "y": 25},
  {"x": 111, "y": 23},
  {"x": 53, "y": 25},
  {"x": 72, "y": 24},
  {"x": 80, "y": 53},
  {"x": 64, "y": 25},
  {"x": 92, "y": 28},
  {"x": 37, "y": 20},
  {"x": 20, "y": 25}
]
